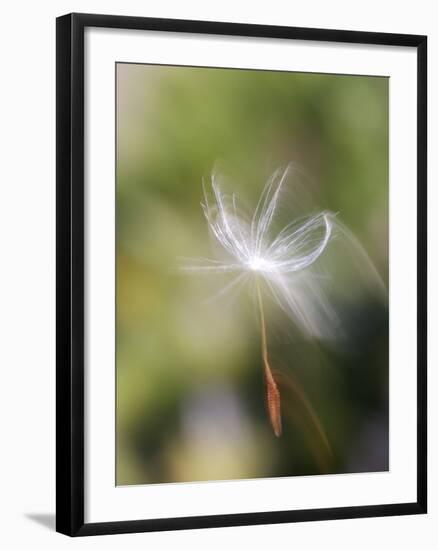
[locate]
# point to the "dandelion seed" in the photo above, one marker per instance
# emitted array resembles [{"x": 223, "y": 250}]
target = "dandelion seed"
[{"x": 255, "y": 248}]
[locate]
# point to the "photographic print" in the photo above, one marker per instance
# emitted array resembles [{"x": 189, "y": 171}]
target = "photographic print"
[
  {"x": 241, "y": 274},
  {"x": 252, "y": 333}
]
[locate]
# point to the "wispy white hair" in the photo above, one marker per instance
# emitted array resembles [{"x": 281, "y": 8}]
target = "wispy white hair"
[{"x": 284, "y": 250}]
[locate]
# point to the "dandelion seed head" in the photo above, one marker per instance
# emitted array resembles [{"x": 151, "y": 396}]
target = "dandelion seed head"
[{"x": 281, "y": 251}]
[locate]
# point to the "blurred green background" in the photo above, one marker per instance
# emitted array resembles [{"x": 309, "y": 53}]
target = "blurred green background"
[{"x": 190, "y": 397}]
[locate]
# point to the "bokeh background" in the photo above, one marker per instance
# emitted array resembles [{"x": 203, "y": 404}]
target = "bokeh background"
[{"x": 190, "y": 395}]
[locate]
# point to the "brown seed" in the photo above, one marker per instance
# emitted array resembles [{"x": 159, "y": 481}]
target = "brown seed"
[{"x": 273, "y": 401}]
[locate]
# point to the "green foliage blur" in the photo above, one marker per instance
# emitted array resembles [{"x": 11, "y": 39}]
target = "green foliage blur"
[{"x": 190, "y": 396}]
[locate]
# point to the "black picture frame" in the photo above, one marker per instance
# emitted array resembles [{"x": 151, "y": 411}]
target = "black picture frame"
[{"x": 70, "y": 273}]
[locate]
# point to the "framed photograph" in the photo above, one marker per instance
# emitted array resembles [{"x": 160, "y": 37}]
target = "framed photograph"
[{"x": 241, "y": 274}]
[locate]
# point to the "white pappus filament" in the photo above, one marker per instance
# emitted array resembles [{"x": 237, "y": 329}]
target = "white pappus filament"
[{"x": 255, "y": 245}]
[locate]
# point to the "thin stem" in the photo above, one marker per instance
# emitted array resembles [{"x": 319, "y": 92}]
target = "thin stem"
[
  {"x": 272, "y": 392},
  {"x": 263, "y": 326},
  {"x": 273, "y": 397}
]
